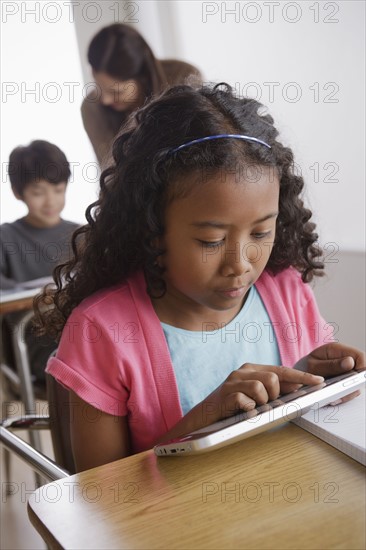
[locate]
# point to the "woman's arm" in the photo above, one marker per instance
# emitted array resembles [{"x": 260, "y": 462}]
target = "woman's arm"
[
  {"x": 96, "y": 437},
  {"x": 98, "y": 126}
]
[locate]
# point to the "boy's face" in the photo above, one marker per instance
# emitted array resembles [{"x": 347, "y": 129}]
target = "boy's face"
[
  {"x": 45, "y": 202},
  {"x": 218, "y": 240}
]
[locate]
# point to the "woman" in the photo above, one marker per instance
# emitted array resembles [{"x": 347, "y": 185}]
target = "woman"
[{"x": 126, "y": 72}]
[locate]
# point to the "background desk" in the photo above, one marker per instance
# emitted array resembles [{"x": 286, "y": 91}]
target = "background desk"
[
  {"x": 21, "y": 302},
  {"x": 17, "y": 300},
  {"x": 21, "y": 298},
  {"x": 281, "y": 489}
]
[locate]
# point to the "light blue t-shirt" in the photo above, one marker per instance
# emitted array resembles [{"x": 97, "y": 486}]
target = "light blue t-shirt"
[{"x": 203, "y": 360}]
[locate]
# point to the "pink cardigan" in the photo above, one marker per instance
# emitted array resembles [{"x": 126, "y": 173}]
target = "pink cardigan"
[{"x": 113, "y": 353}]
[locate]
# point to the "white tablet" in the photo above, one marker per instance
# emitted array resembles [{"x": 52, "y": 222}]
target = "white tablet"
[{"x": 245, "y": 424}]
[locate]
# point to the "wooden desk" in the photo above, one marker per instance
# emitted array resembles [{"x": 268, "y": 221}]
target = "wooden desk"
[
  {"x": 282, "y": 489},
  {"x": 21, "y": 298},
  {"x": 17, "y": 301}
]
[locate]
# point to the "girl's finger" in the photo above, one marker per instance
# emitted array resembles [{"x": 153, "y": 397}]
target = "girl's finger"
[
  {"x": 346, "y": 398},
  {"x": 331, "y": 367},
  {"x": 337, "y": 351},
  {"x": 267, "y": 381},
  {"x": 237, "y": 401},
  {"x": 285, "y": 374}
]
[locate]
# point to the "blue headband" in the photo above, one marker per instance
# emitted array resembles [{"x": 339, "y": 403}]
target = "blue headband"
[{"x": 218, "y": 136}]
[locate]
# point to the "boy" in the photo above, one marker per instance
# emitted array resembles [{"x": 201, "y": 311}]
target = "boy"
[{"x": 32, "y": 246}]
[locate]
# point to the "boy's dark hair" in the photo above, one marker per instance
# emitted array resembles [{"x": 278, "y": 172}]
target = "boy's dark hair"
[
  {"x": 40, "y": 160},
  {"x": 120, "y": 51},
  {"x": 126, "y": 222}
]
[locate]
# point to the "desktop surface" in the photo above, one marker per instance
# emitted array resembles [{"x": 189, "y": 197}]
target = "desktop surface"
[
  {"x": 21, "y": 297},
  {"x": 281, "y": 489}
]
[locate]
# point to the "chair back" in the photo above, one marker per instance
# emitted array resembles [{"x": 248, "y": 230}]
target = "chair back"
[{"x": 59, "y": 413}]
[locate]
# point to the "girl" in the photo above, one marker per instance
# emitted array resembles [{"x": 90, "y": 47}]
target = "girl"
[
  {"x": 126, "y": 73},
  {"x": 188, "y": 290}
]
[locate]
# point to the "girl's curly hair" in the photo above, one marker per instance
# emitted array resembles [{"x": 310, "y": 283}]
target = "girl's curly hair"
[{"x": 125, "y": 223}]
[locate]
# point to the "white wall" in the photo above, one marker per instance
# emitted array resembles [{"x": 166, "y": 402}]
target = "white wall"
[{"x": 341, "y": 297}]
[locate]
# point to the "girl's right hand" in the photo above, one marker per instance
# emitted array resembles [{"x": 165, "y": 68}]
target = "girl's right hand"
[
  {"x": 249, "y": 386},
  {"x": 243, "y": 390}
]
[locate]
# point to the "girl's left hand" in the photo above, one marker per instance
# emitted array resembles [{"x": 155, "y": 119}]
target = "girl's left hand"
[{"x": 333, "y": 359}]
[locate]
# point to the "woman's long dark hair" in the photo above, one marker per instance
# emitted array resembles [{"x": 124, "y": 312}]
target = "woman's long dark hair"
[
  {"x": 121, "y": 52},
  {"x": 126, "y": 222}
]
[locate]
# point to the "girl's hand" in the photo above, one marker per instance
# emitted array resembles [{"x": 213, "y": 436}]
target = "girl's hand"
[
  {"x": 243, "y": 389},
  {"x": 252, "y": 385},
  {"x": 333, "y": 359}
]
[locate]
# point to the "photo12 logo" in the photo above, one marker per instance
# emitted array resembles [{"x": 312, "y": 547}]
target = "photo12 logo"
[
  {"x": 269, "y": 12},
  {"x": 290, "y": 92},
  {"x": 269, "y": 491},
  {"x": 68, "y": 11}
]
